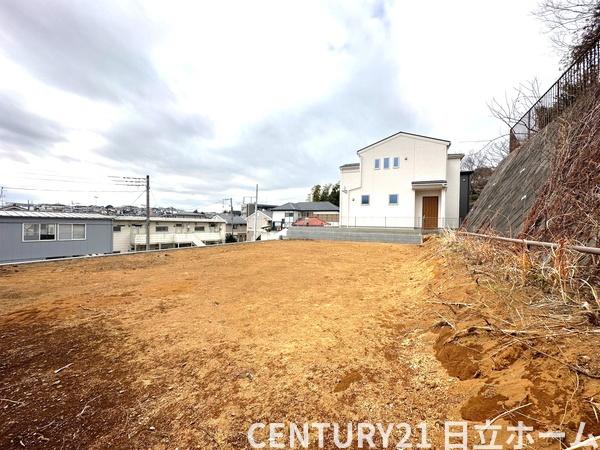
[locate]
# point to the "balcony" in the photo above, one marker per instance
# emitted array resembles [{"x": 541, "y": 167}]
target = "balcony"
[{"x": 197, "y": 238}]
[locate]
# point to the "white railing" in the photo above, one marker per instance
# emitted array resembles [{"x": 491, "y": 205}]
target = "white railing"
[
  {"x": 399, "y": 222},
  {"x": 176, "y": 238}
]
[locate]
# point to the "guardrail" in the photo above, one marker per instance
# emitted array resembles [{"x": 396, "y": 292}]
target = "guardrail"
[
  {"x": 577, "y": 79},
  {"x": 526, "y": 242}
]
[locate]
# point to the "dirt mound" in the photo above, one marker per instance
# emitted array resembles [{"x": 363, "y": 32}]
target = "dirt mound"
[{"x": 544, "y": 376}]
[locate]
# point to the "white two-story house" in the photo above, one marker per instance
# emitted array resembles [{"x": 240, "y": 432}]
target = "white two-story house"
[{"x": 402, "y": 181}]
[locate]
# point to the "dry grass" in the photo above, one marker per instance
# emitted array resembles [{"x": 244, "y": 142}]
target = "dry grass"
[
  {"x": 567, "y": 207},
  {"x": 563, "y": 287}
]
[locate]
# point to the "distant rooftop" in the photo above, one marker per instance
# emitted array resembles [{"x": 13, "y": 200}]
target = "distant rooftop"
[
  {"x": 166, "y": 219},
  {"x": 307, "y": 206},
  {"x": 54, "y": 215},
  {"x": 232, "y": 219}
]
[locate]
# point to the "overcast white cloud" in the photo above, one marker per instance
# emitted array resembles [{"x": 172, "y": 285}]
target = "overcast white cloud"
[{"x": 210, "y": 98}]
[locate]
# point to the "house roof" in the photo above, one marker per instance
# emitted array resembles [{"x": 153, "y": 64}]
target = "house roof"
[
  {"x": 350, "y": 166},
  {"x": 403, "y": 133},
  {"x": 309, "y": 222},
  {"x": 307, "y": 206},
  {"x": 54, "y": 215},
  {"x": 456, "y": 155},
  {"x": 165, "y": 219},
  {"x": 265, "y": 212},
  {"x": 235, "y": 219}
]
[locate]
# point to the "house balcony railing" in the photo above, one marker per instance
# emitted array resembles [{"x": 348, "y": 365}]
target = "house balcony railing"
[
  {"x": 576, "y": 80},
  {"x": 139, "y": 238}
]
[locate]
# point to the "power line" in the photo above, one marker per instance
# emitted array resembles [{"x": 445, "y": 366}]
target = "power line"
[{"x": 59, "y": 190}]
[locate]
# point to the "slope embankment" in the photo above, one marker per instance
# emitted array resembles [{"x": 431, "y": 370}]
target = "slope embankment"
[{"x": 549, "y": 188}]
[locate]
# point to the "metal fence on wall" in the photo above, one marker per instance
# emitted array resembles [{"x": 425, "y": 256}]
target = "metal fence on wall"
[{"x": 582, "y": 74}]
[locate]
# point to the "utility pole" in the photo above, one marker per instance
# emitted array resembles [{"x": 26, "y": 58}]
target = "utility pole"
[
  {"x": 231, "y": 209},
  {"x": 147, "y": 212},
  {"x": 1, "y": 195},
  {"x": 255, "y": 212}
]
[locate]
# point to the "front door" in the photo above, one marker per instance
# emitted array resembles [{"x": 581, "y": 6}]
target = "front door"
[{"x": 430, "y": 212}]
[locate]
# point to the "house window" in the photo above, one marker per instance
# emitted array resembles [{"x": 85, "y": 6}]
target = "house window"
[
  {"x": 47, "y": 231},
  {"x": 386, "y": 163},
  {"x": 199, "y": 228},
  {"x": 393, "y": 199},
  {"x": 289, "y": 214},
  {"x": 79, "y": 231},
  {"x": 377, "y": 164},
  {"x": 70, "y": 231},
  {"x": 65, "y": 231},
  {"x": 161, "y": 228},
  {"x": 364, "y": 199},
  {"x": 178, "y": 225},
  {"x": 117, "y": 228},
  {"x": 31, "y": 231},
  {"x": 396, "y": 162}
]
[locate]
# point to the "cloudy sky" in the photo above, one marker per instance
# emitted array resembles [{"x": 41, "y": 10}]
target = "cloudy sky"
[{"x": 210, "y": 98}]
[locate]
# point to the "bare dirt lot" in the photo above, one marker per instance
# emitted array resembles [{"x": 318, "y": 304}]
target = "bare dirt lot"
[{"x": 186, "y": 349}]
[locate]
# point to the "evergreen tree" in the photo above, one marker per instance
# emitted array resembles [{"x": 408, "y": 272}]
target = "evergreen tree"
[
  {"x": 334, "y": 194},
  {"x": 316, "y": 193}
]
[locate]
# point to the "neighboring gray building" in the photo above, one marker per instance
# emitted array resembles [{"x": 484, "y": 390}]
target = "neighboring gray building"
[
  {"x": 235, "y": 226},
  {"x": 286, "y": 214},
  {"x": 35, "y": 235},
  {"x": 465, "y": 193}
]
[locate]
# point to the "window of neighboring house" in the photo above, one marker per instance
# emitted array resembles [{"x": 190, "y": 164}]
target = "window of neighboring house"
[
  {"x": 386, "y": 163},
  {"x": 65, "y": 231},
  {"x": 47, "y": 231},
  {"x": 161, "y": 228},
  {"x": 117, "y": 228},
  {"x": 234, "y": 226},
  {"x": 31, "y": 231},
  {"x": 179, "y": 225},
  {"x": 396, "y": 162},
  {"x": 377, "y": 164},
  {"x": 199, "y": 228},
  {"x": 289, "y": 214},
  {"x": 79, "y": 231},
  {"x": 393, "y": 199},
  {"x": 364, "y": 199},
  {"x": 71, "y": 231}
]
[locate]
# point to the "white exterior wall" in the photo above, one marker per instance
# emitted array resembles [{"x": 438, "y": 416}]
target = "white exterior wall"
[
  {"x": 453, "y": 193},
  {"x": 421, "y": 159},
  {"x": 278, "y": 216},
  {"x": 124, "y": 240},
  {"x": 262, "y": 221}
]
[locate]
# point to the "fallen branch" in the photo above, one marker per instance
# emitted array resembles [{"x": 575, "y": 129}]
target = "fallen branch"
[
  {"x": 506, "y": 413},
  {"x": 591, "y": 442},
  {"x": 16, "y": 402},
  {"x": 63, "y": 368}
]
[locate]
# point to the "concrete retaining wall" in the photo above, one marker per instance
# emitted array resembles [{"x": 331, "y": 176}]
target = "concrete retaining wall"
[
  {"x": 511, "y": 191},
  {"x": 361, "y": 234}
]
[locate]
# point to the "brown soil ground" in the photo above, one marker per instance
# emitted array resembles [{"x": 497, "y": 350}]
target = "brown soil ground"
[{"x": 186, "y": 349}]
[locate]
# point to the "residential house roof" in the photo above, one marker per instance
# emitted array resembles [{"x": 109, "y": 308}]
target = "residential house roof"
[
  {"x": 54, "y": 215},
  {"x": 232, "y": 219},
  {"x": 403, "y": 133},
  {"x": 165, "y": 219},
  {"x": 307, "y": 206},
  {"x": 350, "y": 166},
  {"x": 309, "y": 222}
]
